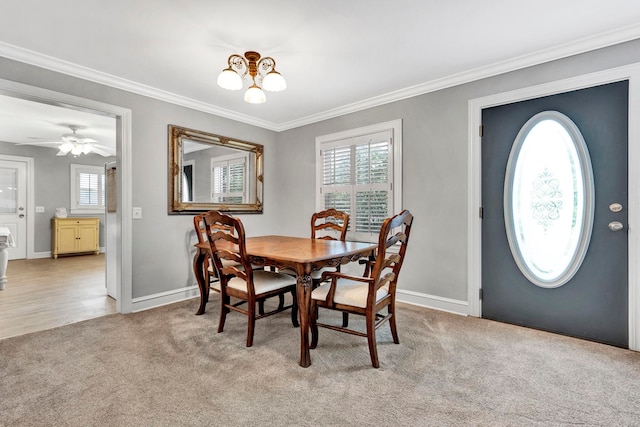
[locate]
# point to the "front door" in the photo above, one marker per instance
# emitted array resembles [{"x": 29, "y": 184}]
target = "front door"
[
  {"x": 554, "y": 227},
  {"x": 13, "y": 205}
]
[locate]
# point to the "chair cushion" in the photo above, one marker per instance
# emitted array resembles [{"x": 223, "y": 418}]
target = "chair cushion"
[
  {"x": 348, "y": 292},
  {"x": 287, "y": 270},
  {"x": 315, "y": 275},
  {"x": 263, "y": 281}
]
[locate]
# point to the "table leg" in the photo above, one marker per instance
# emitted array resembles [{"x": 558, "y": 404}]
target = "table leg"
[
  {"x": 303, "y": 289},
  {"x": 4, "y": 259},
  {"x": 198, "y": 270}
]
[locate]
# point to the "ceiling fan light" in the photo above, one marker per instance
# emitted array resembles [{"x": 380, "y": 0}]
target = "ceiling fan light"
[
  {"x": 76, "y": 150},
  {"x": 65, "y": 147},
  {"x": 274, "y": 82},
  {"x": 255, "y": 95},
  {"x": 86, "y": 148},
  {"x": 229, "y": 79}
]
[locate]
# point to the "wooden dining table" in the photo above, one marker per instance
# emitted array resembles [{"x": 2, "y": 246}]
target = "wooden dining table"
[{"x": 303, "y": 255}]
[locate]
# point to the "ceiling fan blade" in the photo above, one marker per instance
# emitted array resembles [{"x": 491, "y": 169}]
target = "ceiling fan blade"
[
  {"x": 61, "y": 153},
  {"x": 101, "y": 151},
  {"x": 85, "y": 140},
  {"x": 38, "y": 143},
  {"x": 111, "y": 150}
]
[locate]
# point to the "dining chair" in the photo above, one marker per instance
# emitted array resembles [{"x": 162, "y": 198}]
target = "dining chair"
[
  {"x": 329, "y": 224},
  {"x": 210, "y": 273},
  {"x": 370, "y": 294},
  {"x": 238, "y": 280}
]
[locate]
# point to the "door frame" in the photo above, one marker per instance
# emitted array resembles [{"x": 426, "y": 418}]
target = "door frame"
[
  {"x": 29, "y": 207},
  {"x": 123, "y": 225},
  {"x": 474, "y": 223}
]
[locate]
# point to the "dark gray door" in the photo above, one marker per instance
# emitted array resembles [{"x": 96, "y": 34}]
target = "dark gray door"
[{"x": 593, "y": 303}]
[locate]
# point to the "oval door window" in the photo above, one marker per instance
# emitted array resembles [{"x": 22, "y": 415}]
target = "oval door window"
[{"x": 548, "y": 199}]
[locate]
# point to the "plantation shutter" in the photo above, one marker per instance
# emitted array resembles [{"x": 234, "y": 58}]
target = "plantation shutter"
[
  {"x": 91, "y": 192},
  {"x": 357, "y": 178},
  {"x": 229, "y": 180}
]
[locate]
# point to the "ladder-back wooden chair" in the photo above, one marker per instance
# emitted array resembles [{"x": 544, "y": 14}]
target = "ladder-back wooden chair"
[
  {"x": 330, "y": 224},
  {"x": 238, "y": 280},
  {"x": 368, "y": 295},
  {"x": 210, "y": 273}
]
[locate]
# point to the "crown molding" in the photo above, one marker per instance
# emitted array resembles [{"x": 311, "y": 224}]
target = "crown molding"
[
  {"x": 547, "y": 55},
  {"x": 562, "y": 51},
  {"x": 65, "y": 67}
]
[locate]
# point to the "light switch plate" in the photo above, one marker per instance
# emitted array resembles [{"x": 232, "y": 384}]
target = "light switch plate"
[
  {"x": 137, "y": 213},
  {"x": 39, "y": 209}
]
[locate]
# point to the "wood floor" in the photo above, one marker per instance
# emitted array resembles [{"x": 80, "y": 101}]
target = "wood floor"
[{"x": 46, "y": 293}]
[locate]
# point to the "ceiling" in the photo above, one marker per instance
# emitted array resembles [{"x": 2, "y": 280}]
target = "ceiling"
[{"x": 337, "y": 56}]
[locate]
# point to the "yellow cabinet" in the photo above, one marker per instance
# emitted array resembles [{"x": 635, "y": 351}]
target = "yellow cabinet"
[{"x": 74, "y": 235}]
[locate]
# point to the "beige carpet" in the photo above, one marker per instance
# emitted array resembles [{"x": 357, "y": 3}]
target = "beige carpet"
[{"x": 168, "y": 367}]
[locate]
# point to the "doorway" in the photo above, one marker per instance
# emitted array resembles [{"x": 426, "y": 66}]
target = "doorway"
[
  {"x": 120, "y": 228},
  {"x": 13, "y": 202},
  {"x": 630, "y": 73}
]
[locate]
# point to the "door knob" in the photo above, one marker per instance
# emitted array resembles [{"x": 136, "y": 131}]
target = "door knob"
[
  {"x": 21, "y": 216},
  {"x": 615, "y": 226}
]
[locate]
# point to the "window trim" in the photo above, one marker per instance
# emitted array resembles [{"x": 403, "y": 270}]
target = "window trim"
[
  {"x": 75, "y": 170},
  {"x": 395, "y": 126}
]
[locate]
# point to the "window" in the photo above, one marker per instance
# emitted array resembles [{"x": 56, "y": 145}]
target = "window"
[
  {"x": 229, "y": 179},
  {"x": 359, "y": 172},
  {"x": 549, "y": 199},
  {"x": 87, "y": 189}
]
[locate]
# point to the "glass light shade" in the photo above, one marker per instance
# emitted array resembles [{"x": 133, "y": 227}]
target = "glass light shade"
[
  {"x": 255, "y": 95},
  {"x": 76, "y": 150},
  {"x": 274, "y": 82},
  {"x": 229, "y": 79},
  {"x": 65, "y": 147},
  {"x": 86, "y": 148}
]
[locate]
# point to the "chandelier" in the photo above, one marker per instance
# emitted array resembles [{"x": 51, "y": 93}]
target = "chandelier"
[{"x": 261, "y": 70}]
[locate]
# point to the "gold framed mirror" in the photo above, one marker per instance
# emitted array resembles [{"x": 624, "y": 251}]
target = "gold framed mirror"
[{"x": 213, "y": 172}]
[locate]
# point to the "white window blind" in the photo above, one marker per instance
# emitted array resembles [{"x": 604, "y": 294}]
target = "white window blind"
[
  {"x": 357, "y": 175},
  {"x": 229, "y": 179},
  {"x": 88, "y": 189}
]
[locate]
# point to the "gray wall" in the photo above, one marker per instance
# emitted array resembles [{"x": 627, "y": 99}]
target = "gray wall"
[
  {"x": 52, "y": 186},
  {"x": 435, "y": 153},
  {"x": 162, "y": 244},
  {"x": 434, "y": 170}
]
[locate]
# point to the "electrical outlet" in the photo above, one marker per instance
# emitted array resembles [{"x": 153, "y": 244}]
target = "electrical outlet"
[{"x": 39, "y": 209}]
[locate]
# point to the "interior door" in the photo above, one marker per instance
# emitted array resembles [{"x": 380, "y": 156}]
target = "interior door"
[
  {"x": 591, "y": 300},
  {"x": 13, "y": 205}
]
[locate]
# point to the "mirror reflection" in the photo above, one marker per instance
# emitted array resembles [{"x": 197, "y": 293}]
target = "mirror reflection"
[{"x": 209, "y": 171}]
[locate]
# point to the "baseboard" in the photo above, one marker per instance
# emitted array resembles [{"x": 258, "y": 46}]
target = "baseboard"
[
  {"x": 42, "y": 255},
  {"x": 47, "y": 254},
  {"x": 409, "y": 297},
  {"x": 164, "y": 298},
  {"x": 432, "y": 301}
]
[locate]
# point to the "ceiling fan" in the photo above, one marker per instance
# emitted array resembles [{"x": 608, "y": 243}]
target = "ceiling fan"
[{"x": 76, "y": 144}]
